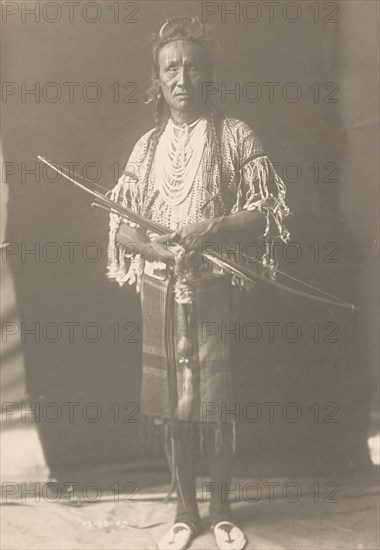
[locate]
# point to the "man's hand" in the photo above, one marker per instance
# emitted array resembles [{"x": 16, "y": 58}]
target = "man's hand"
[
  {"x": 243, "y": 226},
  {"x": 126, "y": 234},
  {"x": 156, "y": 252},
  {"x": 191, "y": 236},
  {"x": 135, "y": 242}
]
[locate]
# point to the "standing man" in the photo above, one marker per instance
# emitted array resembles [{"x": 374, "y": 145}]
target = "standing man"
[{"x": 206, "y": 178}]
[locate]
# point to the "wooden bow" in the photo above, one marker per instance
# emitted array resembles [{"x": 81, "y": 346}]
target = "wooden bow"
[{"x": 230, "y": 266}]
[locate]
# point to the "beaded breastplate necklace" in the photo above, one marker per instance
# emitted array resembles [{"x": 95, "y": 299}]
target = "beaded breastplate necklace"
[{"x": 178, "y": 156}]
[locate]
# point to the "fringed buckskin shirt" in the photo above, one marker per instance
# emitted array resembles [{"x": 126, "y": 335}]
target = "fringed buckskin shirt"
[{"x": 233, "y": 175}]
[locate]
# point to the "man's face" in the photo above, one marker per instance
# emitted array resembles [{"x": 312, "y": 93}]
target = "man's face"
[{"x": 182, "y": 73}]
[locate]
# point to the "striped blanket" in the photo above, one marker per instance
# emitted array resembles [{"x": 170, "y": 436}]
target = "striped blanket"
[{"x": 211, "y": 356}]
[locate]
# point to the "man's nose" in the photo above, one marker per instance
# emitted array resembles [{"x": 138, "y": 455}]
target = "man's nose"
[{"x": 182, "y": 77}]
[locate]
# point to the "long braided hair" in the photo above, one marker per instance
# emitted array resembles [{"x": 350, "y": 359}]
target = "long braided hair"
[{"x": 191, "y": 29}]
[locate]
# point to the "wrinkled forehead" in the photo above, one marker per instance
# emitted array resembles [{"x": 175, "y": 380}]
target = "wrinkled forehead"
[{"x": 181, "y": 52}]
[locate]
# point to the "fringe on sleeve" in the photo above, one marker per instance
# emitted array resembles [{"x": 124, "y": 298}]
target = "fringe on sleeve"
[
  {"x": 265, "y": 192},
  {"x": 123, "y": 266}
]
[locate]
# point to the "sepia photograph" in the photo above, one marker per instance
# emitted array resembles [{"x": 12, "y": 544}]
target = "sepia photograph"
[{"x": 190, "y": 275}]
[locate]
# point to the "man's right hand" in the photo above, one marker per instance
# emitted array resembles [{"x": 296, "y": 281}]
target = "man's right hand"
[
  {"x": 156, "y": 252},
  {"x": 135, "y": 242},
  {"x": 130, "y": 236}
]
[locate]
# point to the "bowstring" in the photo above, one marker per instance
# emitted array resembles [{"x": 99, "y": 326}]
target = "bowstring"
[
  {"x": 315, "y": 288},
  {"x": 74, "y": 175},
  {"x": 308, "y": 285}
]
